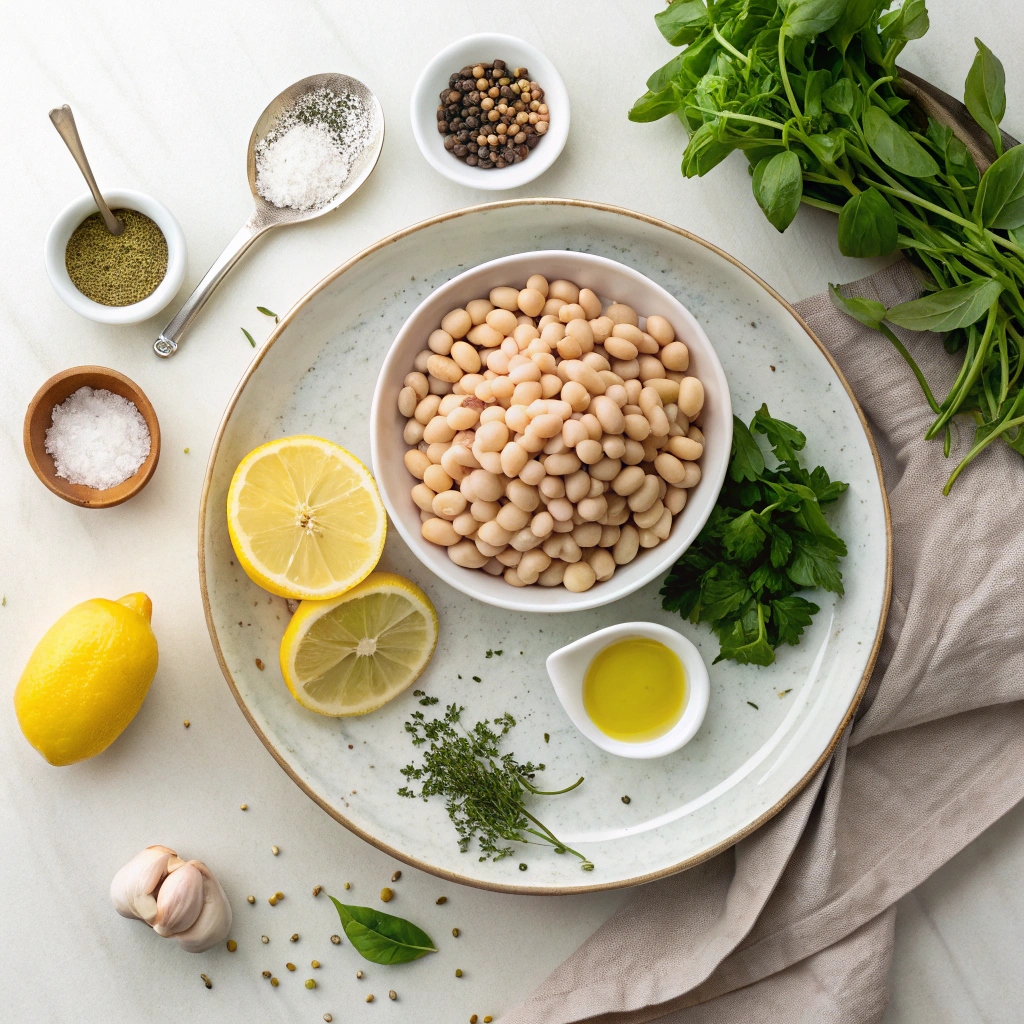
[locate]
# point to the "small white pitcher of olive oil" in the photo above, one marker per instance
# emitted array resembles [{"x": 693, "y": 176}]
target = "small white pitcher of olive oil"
[{"x": 638, "y": 689}]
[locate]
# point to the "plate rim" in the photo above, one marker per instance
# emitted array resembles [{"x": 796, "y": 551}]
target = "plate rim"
[{"x": 454, "y": 876}]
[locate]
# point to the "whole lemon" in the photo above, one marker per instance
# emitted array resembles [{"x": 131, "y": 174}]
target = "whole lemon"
[{"x": 87, "y": 678}]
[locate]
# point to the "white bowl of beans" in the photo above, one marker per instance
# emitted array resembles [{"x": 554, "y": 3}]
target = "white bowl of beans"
[{"x": 550, "y": 431}]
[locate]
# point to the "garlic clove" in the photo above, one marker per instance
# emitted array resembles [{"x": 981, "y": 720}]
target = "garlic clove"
[
  {"x": 132, "y": 887},
  {"x": 214, "y": 921},
  {"x": 174, "y": 862},
  {"x": 179, "y": 900}
]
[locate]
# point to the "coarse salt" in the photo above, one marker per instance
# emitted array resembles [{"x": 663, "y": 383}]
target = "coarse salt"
[
  {"x": 98, "y": 439},
  {"x": 302, "y": 169}
]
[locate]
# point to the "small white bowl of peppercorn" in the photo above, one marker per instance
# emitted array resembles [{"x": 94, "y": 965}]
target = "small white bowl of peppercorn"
[
  {"x": 120, "y": 279},
  {"x": 490, "y": 112}
]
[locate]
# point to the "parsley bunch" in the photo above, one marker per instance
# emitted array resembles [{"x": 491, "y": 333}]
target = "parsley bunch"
[
  {"x": 766, "y": 539},
  {"x": 483, "y": 791}
]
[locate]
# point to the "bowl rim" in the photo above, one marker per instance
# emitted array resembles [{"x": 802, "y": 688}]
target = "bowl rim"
[
  {"x": 205, "y": 506},
  {"x": 542, "y": 158},
  {"x": 73, "y": 214},
  {"x": 697, "y": 678},
  {"x": 533, "y": 599},
  {"x": 80, "y": 494}
]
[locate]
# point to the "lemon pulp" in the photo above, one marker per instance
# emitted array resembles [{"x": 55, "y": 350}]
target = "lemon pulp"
[
  {"x": 635, "y": 689},
  {"x": 305, "y": 518},
  {"x": 351, "y": 655}
]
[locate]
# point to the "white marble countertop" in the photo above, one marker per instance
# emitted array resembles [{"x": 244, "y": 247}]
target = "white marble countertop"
[{"x": 165, "y": 97}]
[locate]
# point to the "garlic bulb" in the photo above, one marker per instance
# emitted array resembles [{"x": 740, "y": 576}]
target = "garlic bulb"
[{"x": 177, "y": 898}]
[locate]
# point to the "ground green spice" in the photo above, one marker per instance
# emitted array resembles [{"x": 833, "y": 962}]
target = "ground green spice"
[{"x": 117, "y": 270}]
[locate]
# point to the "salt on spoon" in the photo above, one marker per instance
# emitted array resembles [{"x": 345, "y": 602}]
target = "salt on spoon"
[{"x": 292, "y": 175}]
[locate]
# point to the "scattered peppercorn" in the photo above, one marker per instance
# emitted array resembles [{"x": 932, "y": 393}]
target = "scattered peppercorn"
[
  {"x": 272, "y": 900},
  {"x": 259, "y": 664},
  {"x": 206, "y": 981},
  {"x": 492, "y": 119},
  {"x": 369, "y": 998},
  {"x": 359, "y": 974},
  {"x": 275, "y": 850},
  {"x": 264, "y": 939},
  {"x": 274, "y": 982},
  {"x": 455, "y": 932},
  {"x": 266, "y": 974},
  {"x": 232, "y": 945},
  {"x": 522, "y": 867},
  {"x": 473, "y": 1019},
  {"x": 314, "y": 964},
  {"x": 250, "y": 899},
  {"x": 310, "y": 983},
  {"x": 488, "y": 1019},
  {"x": 186, "y": 723},
  {"x": 392, "y": 994},
  {"x": 626, "y": 800},
  {"x": 317, "y": 889},
  {"x": 348, "y": 885},
  {"x": 336, "y": 939},
  {"x": 328, "y": 1018},
  {"x": 278, "y": 895},
  {"x": 387, "y": 894},
  {"x": 458, "y": 972},
  {"x": 291, "y": 967},
  {"x": 396, "y": 876},
  {"x": 441, "y": 899},
  {"x": 294, "y": 938}
]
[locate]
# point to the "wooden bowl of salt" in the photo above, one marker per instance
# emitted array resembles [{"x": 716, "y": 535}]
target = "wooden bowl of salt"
[{"x": 96, "y": 438}]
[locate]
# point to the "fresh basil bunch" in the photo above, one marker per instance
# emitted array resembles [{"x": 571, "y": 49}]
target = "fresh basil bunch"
[{"x": 809, "y": 90}]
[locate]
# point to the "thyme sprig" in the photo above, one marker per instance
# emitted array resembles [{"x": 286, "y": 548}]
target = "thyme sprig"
[{"x": 483, "y": 790}]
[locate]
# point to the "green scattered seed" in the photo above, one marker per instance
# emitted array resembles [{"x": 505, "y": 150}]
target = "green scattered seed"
[{"x": 310, "y": 983}]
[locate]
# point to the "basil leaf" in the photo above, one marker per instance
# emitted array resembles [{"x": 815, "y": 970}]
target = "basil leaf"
[
  {"x": 867, "y": 225},
  {"x": 868, "y": 311},
  {"x": 652, "y": 106},
  {"x": 703, "y": 152},
  {"x": 817, "y": 82},
  {"x": 1000, "y": 201},
  {"x": 827, "y": 148},
  {"x": 948, "y": 309},
  {"x": 839, "y": 97},
  {"x": 382, "y": 938},
  {"x": 856, "y": 16},
  {"x": 805, "y": 18},
  {"x": 985, "y": 93},
  {"x": 682, "y": 21},
  {"x": 778, "y": 187},
  {"x": 895, "y": 146},
  {"x": 907, "y": 22},
  {"x": 747, "y": 462}
]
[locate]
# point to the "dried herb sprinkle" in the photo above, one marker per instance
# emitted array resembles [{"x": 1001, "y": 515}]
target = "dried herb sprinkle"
[{"x": 117, "y": 270}]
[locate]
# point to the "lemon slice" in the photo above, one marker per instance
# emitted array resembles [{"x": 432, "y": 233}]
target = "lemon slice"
[
  {"x": 351, "y": 655},
  {"x": 305, "y": 518}
]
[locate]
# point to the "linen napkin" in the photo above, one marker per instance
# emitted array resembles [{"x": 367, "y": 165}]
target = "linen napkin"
[{"x": 795, "y": 922}]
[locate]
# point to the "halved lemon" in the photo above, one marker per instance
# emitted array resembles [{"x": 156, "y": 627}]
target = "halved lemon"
[
  {"x": 352, "y": 655},
  {"x": 305, "y": 518}
]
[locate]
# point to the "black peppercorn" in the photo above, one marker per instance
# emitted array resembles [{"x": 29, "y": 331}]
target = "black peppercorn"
[{"x": 491, "y": 138}]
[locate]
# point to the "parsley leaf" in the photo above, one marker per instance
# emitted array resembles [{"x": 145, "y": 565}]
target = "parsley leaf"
[{"x": 765, "y": 539}]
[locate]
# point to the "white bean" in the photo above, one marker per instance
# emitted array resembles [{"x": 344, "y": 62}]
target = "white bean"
[
  {"x": 625, "y": 548},
  {"x": 466, "y": 554},
  {"x": 579, "y": 577},
  {"x": 439, "y": 531}
]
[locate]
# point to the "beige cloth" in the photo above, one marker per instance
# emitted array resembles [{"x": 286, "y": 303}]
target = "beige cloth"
[{"x": 795, "y": 923}]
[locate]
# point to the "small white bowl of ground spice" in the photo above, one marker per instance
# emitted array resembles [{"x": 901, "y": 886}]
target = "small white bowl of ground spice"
[
  {"x": 116, "y": 279},
  {"x": 490, "y": 111},
  {"x": 92, "y": 436}
]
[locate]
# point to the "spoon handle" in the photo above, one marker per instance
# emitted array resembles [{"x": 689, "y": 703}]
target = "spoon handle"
[
  {"x": 64, "y": 121},
  {"x": 167, "y": 344}
]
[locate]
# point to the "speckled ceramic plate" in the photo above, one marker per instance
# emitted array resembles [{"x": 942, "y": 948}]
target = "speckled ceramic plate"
[{"x": 767, "y": 729}]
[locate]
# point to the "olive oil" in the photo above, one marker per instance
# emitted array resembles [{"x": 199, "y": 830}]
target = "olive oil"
[{"x": 635, "y": 690}]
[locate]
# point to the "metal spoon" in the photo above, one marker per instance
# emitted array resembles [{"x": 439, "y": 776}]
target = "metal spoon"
[
  {"x": 266, "y": 215},
  {"x": 64, "y": 121}
]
